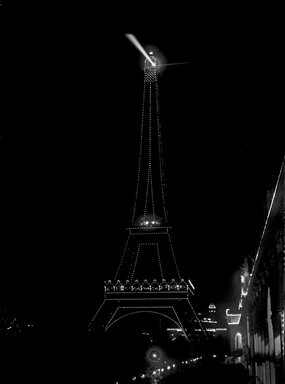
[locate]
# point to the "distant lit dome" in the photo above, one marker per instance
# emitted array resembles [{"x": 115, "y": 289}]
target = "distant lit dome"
[{"x": 212, "y": 306}]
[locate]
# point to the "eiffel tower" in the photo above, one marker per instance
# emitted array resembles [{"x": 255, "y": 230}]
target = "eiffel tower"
[{"x": 147, "y": 278}]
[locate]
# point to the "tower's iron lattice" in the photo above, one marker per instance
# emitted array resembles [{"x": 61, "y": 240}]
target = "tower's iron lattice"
[{"x": 147, "y": 278}]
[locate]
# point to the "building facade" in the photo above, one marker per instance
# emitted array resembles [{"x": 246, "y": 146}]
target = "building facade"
[
  {"x": 259, "y": 318},
  {"x": 235, "y": 337}
]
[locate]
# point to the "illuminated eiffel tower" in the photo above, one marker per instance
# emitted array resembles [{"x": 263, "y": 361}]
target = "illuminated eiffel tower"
[{"x": 147, "y": 278}]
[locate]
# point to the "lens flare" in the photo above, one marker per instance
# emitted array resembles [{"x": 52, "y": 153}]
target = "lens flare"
[
  {"x": 181, "y": 63},
  {"x": 154, "y": 355}
]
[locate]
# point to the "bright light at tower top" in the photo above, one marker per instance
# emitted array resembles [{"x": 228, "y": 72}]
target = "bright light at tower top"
[
  {"x": 153, "y": 63},
  {"x": 137, "y": 44}
]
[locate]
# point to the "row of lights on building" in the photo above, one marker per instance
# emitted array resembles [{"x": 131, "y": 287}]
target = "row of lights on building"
[{"x": 145, "y": 286}]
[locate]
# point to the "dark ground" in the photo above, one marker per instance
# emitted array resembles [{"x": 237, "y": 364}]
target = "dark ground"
[
  {"x": 44, "y": 368},
  {"x": 65, "y": 356},
  {"x": 61, "y": 356}
]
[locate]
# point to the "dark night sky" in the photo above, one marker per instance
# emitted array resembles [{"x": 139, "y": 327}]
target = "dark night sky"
[{"x": 72, "y": 104}]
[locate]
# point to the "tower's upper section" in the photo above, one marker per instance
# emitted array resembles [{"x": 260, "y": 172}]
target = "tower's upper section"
[
  {"x": 149, "y": 206},
  {"x": 150, "y": 68},
  {"x": 149, "y": 252}
]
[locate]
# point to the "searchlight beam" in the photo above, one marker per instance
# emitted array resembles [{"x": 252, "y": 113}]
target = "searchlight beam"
[{"x": 137, "y": 44}]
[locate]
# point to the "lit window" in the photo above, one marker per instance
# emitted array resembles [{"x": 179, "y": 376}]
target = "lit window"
[{"x": 238, "y": 341}]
